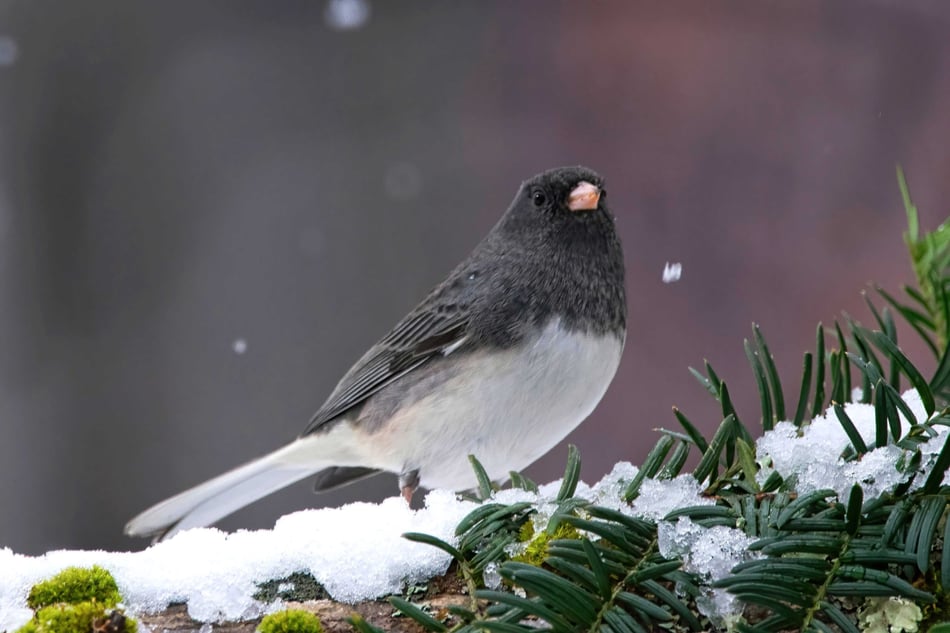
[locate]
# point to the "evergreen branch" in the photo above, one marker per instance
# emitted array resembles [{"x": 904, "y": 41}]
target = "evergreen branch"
[{"x": 796, "y": 585}]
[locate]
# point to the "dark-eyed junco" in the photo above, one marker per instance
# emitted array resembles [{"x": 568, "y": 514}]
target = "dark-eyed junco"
[{"x": 502, "y": 360}]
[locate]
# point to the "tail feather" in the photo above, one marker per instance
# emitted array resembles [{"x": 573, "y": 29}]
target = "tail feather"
[{"x": 217, "y": 498}]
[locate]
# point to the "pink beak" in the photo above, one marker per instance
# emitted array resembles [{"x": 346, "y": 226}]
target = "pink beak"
[{"x": 584, "y": 197}]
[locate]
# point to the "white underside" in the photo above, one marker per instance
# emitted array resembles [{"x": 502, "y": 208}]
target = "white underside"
[{"x": 508, "y": 409}]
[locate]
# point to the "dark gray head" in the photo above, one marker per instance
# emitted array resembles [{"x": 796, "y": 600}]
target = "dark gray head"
[
  {"x": 554, "y": 253},
  {"x": 558, "y": 198}
]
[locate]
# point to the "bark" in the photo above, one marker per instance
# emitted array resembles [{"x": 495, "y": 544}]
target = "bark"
[{"x": 441, "y": 593}]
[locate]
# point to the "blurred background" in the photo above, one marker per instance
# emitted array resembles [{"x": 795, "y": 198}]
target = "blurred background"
[{"x": 209, "y": 210}]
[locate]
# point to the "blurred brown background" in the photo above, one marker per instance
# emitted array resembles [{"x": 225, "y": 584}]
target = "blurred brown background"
[{"x": 209, "y": 210}]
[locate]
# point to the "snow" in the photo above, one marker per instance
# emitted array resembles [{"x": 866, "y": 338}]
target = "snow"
[
  {"x": 659, "y": 498},
  {"x": 346, "y": 15},
  {"x": 356, "y": 552},
  {"x": 491, "y": 576},
  {"x": 813, "y": 453},
  {"x": 672, "y": 272},
  {"x": 9, "y": 50},
  {"x": 711, "y": 553}
]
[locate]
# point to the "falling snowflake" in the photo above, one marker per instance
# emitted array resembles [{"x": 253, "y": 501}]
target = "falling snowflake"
[
  {"x": 9, "y": 51},
  {"x": 672, "y": 272},
  {"x": 346, "y": 15}
]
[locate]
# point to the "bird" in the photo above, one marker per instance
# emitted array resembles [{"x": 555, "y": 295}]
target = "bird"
[{"x": 505, "y": 357}]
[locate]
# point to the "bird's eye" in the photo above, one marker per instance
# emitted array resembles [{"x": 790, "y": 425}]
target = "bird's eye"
[{"x": 539, "y": 198}]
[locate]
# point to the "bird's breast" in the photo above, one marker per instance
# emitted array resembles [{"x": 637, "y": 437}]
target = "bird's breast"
[{"x": 507, "y": 407}]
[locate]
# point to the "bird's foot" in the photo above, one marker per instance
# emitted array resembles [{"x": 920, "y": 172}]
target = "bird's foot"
[{"x": 408, "y": 482}]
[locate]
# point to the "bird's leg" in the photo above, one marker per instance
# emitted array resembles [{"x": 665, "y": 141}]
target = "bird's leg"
[{"x": 408, "y": 482}]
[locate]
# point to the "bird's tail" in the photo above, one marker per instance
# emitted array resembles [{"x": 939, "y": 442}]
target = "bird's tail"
[{"x": 217, "y": 498}]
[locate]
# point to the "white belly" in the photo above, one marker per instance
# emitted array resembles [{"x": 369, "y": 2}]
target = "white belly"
[{"x": 507, "y": 410}]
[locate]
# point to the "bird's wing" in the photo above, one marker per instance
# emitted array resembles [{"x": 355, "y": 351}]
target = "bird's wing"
[{"x": 425, "y": 333}]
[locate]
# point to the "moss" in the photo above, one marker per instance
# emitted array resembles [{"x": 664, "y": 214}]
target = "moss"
[
  {"x": 297, "y": 587},
  {"x": 526, "y": 533},
  {"x": 81, "y": 617},
  {"x": 77, "y": 600},
  {"x": 290, "y": 621},
  {"x": 74, "y": 585},
  {"x": 889, "y": 615},
  {"x": 537, "y": 548}
]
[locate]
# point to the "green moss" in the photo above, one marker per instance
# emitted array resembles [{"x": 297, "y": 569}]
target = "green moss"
[
  {"x": 889, "y": 615},
  {"x": 526, "y": 533},
  {"x": 81, "y": 617},
  {"x": 74, "y": 585},
  {"x": 77, "y": 600},
  {"x": 537, "y": 548},
  {"x": 290, "y": 621},
  {"x": 297, "y": 587}
]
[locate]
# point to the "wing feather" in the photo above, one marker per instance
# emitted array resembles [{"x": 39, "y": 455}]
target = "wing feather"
[{"x": 421, "y": 336}]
